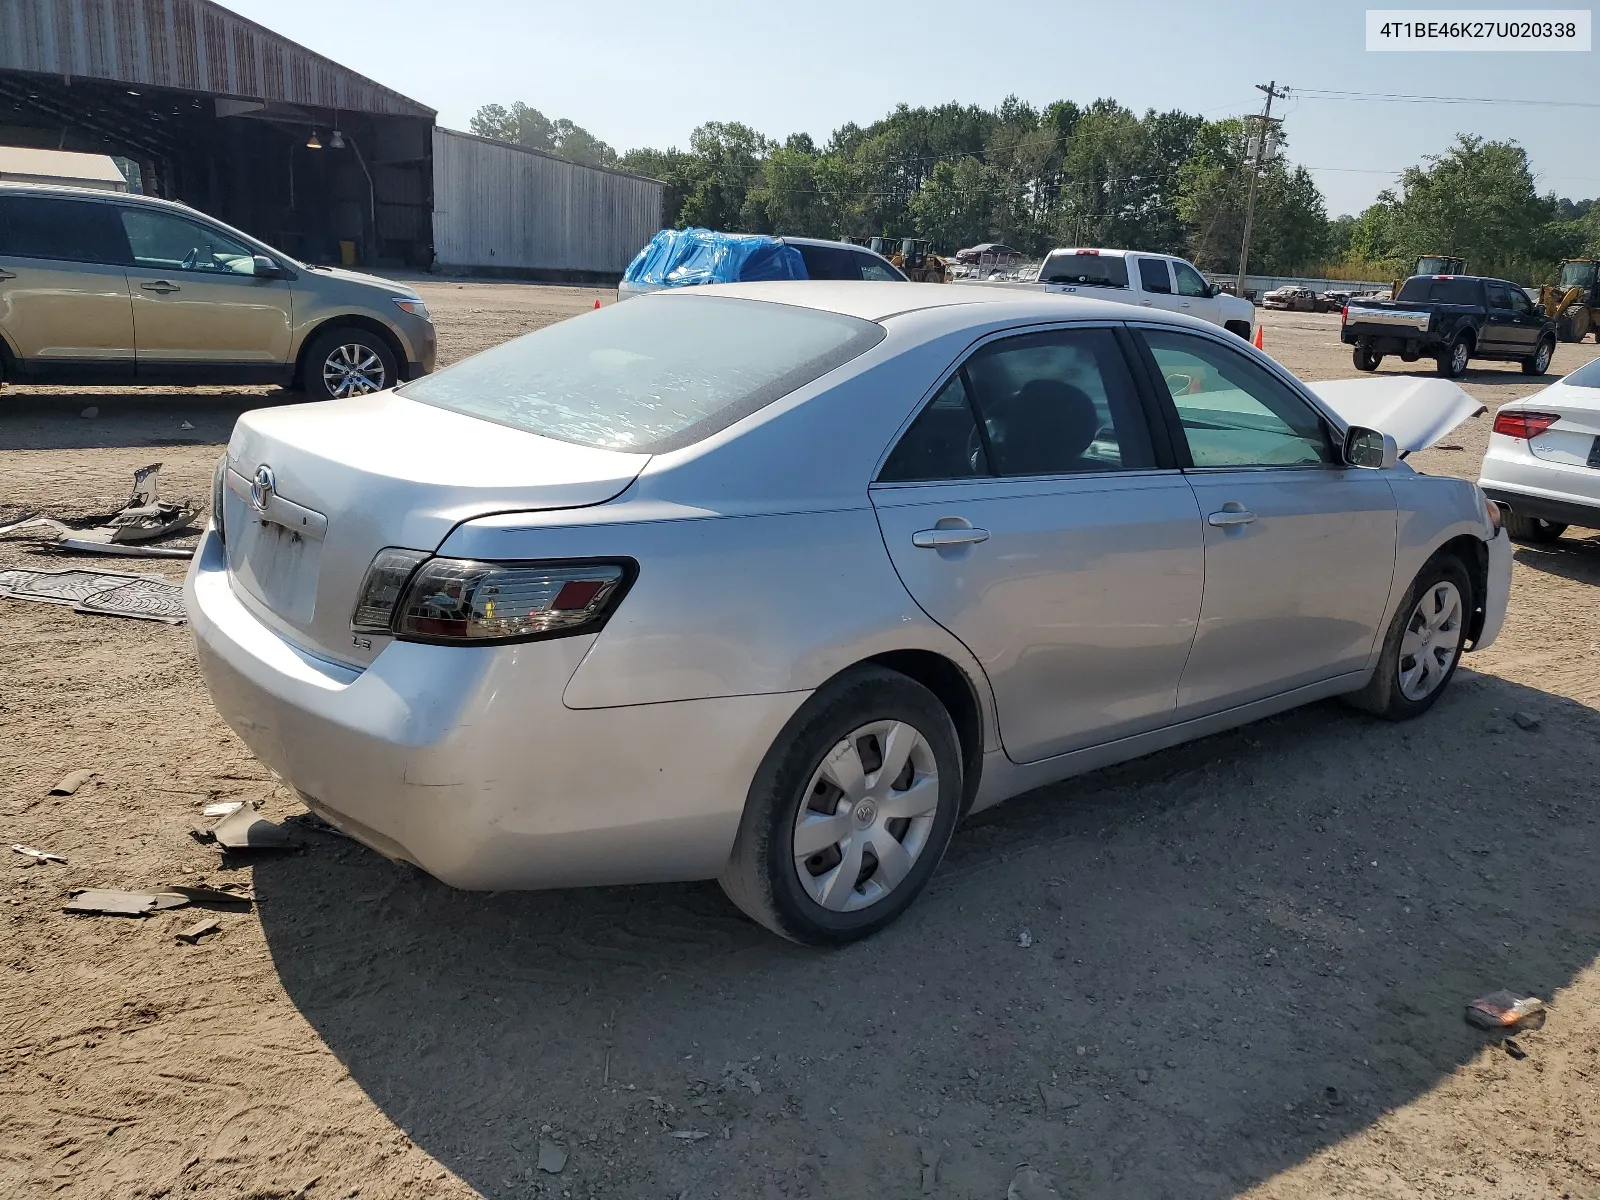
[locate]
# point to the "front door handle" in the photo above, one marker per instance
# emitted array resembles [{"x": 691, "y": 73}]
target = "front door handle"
[
  {"x": 1231, "y": 516},
  {"x": 939, "y": 539},
  {"x": 161, "y": 287}
]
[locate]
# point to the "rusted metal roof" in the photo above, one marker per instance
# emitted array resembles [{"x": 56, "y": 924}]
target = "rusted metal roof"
[{"x": 191, "y": 45}]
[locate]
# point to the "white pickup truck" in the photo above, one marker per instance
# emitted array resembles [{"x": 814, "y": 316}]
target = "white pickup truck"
[{"x": 1149, "y": 280}]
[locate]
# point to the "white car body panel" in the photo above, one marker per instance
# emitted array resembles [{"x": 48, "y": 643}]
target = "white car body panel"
[
  {"x": 628, "y": 754},
  {"x": 1556, "y": 475}
]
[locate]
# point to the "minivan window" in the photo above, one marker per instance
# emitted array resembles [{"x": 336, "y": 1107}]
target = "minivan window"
[
  {"x": 70, "y": 230},
  {"x": 1421, "y": 289},
  {"x": 655, "y": 374},
  {"x": 1086, "y": 270}
]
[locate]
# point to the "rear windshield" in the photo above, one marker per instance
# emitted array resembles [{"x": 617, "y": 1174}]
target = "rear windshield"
[
  {"x": 1587, "y": 375},
  {"x": 650, "y": 374},
  {"x": 1420, "y": 289},
  {"x": 1089, "y": 270}
]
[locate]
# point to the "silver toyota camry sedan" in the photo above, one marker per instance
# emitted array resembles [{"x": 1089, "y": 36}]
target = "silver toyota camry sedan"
[{"x": 774, "y": 583}]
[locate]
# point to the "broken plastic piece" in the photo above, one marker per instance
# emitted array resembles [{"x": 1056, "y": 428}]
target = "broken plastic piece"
[
  {"x": 249, "y": 830},
  {"x": 222, "y": 808},
  {"x": 1503, "y": 1010},
  {"x": 39, "y": 856},
  {"x": 200, "y": 894},
  {"x": 111, "y": 903},
  {"x": 195, "y": 932},
  {"x": 72, "y": 781}
]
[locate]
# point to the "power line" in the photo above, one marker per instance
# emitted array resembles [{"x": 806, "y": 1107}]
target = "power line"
[{"x": 1407, "y": 98}]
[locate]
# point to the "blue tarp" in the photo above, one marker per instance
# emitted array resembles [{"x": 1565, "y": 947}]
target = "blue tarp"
[{"x": 686, "y": 257}]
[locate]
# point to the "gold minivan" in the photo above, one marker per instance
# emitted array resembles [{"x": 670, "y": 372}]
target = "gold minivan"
[{"x": 104, "y": 287}]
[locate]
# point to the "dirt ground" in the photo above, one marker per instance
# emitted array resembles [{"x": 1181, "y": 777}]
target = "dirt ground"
[{"x": 1248, "y": 962}]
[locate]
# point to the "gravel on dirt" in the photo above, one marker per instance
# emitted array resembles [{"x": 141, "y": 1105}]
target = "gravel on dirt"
[{"x": 1288, "y": 918}]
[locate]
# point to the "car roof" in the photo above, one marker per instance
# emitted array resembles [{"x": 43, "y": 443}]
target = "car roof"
[
  {"x": 67, "y": 192},
  {"x": 877, "y": 301},
  {"x": 807, "y": 241}
]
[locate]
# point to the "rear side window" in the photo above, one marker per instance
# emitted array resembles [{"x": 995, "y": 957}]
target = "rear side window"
[
  {"x": 1086, "y": 270},
  {"x": 650, "y": 375},
  {"x": 1154, "y": 276},
  {"x": 829, "y": 262},
  {"x": 942, "y": 443},
  {"x": 1420, "y": 289},
  {"x": 68, "y": 230},
  {"x": 1587, "y": 376}
]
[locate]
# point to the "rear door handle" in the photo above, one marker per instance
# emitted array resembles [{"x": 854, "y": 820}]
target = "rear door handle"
[
  {"x": 1231, "y": 516},
  {"x": 938, "y": 539},
  {"x": 161, "y": 286}
]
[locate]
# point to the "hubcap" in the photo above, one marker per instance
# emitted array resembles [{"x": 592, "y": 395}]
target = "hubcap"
[
  {"x": 1431, "y": 641},
  {"x": 353, "y": 370},
  {"x": 867, "y": 816}
]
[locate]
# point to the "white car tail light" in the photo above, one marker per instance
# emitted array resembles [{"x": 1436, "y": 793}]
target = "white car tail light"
[
  {"x": 462, "y": 600},
  {"x": 1523, "y": 424}
]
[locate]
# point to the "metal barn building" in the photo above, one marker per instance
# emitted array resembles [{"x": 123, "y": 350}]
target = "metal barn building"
[{"x": 298, "y": 150}]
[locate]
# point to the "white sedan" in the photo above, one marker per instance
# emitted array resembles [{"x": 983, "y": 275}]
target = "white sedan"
[
  {"x": 774, "y": 583},
  {"x": 1543, "y": 461}
]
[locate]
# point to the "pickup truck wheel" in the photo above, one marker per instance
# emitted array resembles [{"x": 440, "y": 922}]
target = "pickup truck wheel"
[
  {"x": 1453, "y": 362},
  {"x": 1533, "y": 529},
  {"x": 1540, "y": 362},
  {"x": 1365, "y": 360}
]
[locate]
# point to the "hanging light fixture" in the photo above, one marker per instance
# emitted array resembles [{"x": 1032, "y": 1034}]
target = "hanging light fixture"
[
  {"x": 313, "y": 142},
  {"x": 336, "y": 140}
]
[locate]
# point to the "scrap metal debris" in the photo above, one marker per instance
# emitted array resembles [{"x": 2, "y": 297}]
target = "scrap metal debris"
[
  {"x": 72, "y": 781},
  {"x": 143, "y": 519},
  {"x": 112, "y": 903},
  {"x": 202, "y": 894},
  {"x": 39, "y": 856},
  {"x": 222, "y": 808},
  {"x": 195, "y": 932},
  {"x": 104, "y": 593},
  {"x": 247, "y": 829},
  {"x": 1506, "y": 1011}
]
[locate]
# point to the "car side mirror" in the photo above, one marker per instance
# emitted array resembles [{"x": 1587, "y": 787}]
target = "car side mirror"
[
  {"x": 265, "y": 268},
  {"x": 1370, "y": 449}
]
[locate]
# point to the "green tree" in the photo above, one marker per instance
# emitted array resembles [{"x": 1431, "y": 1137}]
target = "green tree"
[{"x": 524, "y": 126}]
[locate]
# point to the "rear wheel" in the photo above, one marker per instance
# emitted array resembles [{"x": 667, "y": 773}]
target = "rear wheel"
[
  {"x": 850, "y": 812},
  {"x": 1533, "y": 529},
  {"x": 1364, "y": 359},
  {"x": 348, "y": 362},
  {"x": 1540, "y": 362},
  {"x": 1423, "y": 645},
  {"x": 1453, "y": 361}
]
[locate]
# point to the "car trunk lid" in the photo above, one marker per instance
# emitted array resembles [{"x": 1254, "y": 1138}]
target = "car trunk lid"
[{"x": 316, "y": 490}]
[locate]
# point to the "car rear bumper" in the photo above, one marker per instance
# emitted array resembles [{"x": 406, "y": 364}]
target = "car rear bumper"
[
  {"x": 465, "y": 762},
  {"x": 1565, "y": 492},
  {"x": 1559, "y": 509}
]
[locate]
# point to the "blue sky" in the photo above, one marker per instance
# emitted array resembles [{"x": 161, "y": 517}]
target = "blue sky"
[{"x": 646, "y": 74}]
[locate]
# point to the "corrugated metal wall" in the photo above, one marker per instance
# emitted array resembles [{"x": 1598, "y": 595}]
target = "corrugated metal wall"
[
  {"x": 504, "y": 208},
  {"x": 193, "y": 45}
]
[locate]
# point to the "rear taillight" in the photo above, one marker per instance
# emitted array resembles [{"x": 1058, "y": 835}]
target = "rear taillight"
[
  {"x": 1520, "y": 424},
  {"x": 1344, "y": 316},
  {"x": 386, "y": 578},
  {"x": 462, "y": 600}
]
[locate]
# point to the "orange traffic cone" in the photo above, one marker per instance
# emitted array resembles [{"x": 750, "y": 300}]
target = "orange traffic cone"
[
  {"x": 597, "y": 302},
  {"x": 1257, "y": 343}
]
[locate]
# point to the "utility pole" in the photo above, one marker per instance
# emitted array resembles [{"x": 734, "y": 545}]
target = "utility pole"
[{"x": 1263, "y": 132}]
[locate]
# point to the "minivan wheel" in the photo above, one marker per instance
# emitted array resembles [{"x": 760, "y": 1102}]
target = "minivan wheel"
[
  {"x": 1423, "y": 645},
  {"x": 348, "y": 362},
  {"x": 850, "y": 811}
]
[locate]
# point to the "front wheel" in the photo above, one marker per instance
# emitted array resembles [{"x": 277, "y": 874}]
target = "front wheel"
[
  {"x": 1364, "y": 359},
  {"x": 1452, "y": 362},
  {"x": 1423, "y": 645},
  {"x": 850, "y": 812},
  {"x": 1533, "y": 529},
  {"x": 1539, "y": 363},
  {"x": 348, "y": 362}
]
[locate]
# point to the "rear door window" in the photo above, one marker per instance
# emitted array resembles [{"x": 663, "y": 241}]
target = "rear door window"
[
  {"x": 1086, "y": 270},
  {"x": 829, "y": 262},
  {"x": 67, "y": 230},
  {"x": 1154, "y": 276},
  {"x": 660, "y": 372},
  {"x": 1499, "y": 295}
]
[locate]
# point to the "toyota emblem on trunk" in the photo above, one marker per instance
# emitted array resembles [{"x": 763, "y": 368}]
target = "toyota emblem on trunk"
[{"x": 262, "y": 487}]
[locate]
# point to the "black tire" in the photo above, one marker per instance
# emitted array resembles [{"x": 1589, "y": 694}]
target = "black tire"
[
  {"x": 1452, "y": 362},
  {"x": 1533, "y": 529},
  {"x": 763, "y": 877},
  {"x": 1364, "y": 359},
  {"x": 347, "y": 345},
  {"x": 1384, "y": 696},
  {"x": 1539, "y": 362}
]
